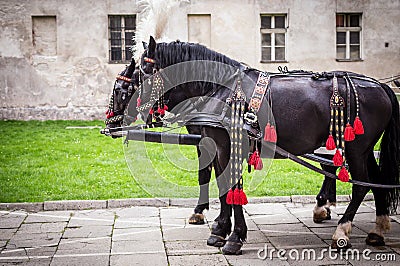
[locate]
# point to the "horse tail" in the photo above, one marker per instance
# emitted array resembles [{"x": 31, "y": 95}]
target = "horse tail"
[{"x": 389, "y": 162}]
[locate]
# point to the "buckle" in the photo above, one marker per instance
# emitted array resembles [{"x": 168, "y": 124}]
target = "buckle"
[{"x": 250, "y": 117}]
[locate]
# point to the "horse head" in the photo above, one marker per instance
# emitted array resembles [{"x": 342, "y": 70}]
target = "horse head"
[{"x": 126, "y": 83}]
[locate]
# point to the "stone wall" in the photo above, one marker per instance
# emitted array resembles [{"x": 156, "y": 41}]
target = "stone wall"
[{"x": 67, "y": 75}]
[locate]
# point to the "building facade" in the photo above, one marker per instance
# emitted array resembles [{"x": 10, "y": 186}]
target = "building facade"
[{"x": 59, "y": 59}]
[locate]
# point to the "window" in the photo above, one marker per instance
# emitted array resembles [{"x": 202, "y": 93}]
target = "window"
[
  {"x": 121, "y": 31},
  {"x": 199, "y": 29},
  {"x": 44, "y": 35},
  {"x": 273, "y": 38},
  {"x": 348, "y": 36}
]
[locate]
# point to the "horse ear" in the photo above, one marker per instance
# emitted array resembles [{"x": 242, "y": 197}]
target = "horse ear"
[
  {"x": 145, "y": 45},
  {"x": 152, "y": 47},
  {"x": 130, "y": 69}
]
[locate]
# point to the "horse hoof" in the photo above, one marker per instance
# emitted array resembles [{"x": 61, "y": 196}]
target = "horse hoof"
[
  {"x": 320, "y": 217},
  {"x": 375, "y": 240},
  {"x": 216, "y": 241},
  {"x": 340, "y": 244},
  {"x": 232, "y": 248},
  {"x": 328, "y": 215},
  {"x": 196, "y": 218}
]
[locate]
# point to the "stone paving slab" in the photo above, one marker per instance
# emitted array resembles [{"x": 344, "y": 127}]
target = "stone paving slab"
[
  {"x": 87, "y": 231},
  {"x": 95, "y": 260},
  {"x": 193, "y": 247},
  {"x": 48, "y": 217},
  {"x": 161, "y": 236},
  {"x": 136, "y": 234},
  {"x": 197, "y": 260},
  {"x": 139, "y": 259}
]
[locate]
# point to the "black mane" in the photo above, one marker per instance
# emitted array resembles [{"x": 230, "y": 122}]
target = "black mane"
[{"x": 176, "y": 52}]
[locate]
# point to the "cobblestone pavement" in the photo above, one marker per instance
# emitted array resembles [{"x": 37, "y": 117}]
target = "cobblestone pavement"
[{"x": 162, "y": 236}]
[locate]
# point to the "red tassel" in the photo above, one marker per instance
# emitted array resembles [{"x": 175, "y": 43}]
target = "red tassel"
[
  {"x": 151, "y": 111},
  {"x": 236, "y": 197},
  {"x": 274, "y": 137},
  {"x": 138, "y": 102},
  {"x": 252, "y": 158},
  {"x": 256, "y": 161},
  {"x": 161, "y": 111},
  {"x": 349, "y": 133},
  {"x": 110, "y": 114},
  {"x": 259, "y": 164},
  {"x": 337, "y": 158},
  {"x": 330, "y": 143},
  {"x": 107, "y": 112},
  {"x": 358, "y": 126},
  {"x": 267, "y": 132},
  {"x": 242, "y": 198},
  {"x": 229, "y": 197},
  {"x": 344, "y": 175}
]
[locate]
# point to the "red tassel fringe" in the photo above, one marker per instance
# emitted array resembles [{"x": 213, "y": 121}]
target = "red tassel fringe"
[
  {"x": 274, "y": 137},
  {"x": 161, "y": 111},
  {"x": 330, "y": 143},
  {"x": 267, "y": 132},
  {"x": 138, "y": 102},
  {"x": 259, "y": 164},
  {"x": 338, "y": 158},
  {"x": 358, "y": 126},
  {"x": 237, "y": 197},
  {"x": 270, "y": 134},
  {"x": 229, "y": 197},
  {"x": 242, "y": 198},
  {"x": 349, "y": 133},
  {"x": 256, "y": 161},
  {"x": 344, "y": 175},
  {"x": 110, "y": 114}
]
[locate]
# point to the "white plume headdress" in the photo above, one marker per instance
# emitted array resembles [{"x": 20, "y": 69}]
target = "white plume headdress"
[{"x": 153, "y": 21}]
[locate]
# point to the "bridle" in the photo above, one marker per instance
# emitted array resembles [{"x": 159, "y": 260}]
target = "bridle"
[
  {"x": 156, "y": 106},
  {"x": 111, "y": 117}
]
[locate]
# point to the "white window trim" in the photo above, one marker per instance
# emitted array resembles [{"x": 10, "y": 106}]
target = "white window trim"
[
  {"x": 347, "y": 30},
  {"x": 274, "y": 31},
  {"x": 123, "y": 42}
]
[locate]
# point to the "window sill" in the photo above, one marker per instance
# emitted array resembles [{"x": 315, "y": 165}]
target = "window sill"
[
  {"x": 275, "y": 61},
  {"x": 349, "y": 60}
]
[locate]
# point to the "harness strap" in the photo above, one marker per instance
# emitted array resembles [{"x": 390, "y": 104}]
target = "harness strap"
[
  {"x": 296, "y": 159},
  {"x": 257, "y": 98}
]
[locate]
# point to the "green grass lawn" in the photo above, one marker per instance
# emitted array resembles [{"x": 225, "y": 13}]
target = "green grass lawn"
[{"x": 46, "y": 161}]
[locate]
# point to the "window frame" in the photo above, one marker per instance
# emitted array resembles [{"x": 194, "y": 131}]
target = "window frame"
[
  {"x": 273, "y": 31},
  {"x": 122, "y": 32},
  {"x": 347, "y": 29}
]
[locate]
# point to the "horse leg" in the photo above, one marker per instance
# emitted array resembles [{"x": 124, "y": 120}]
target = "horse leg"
[
  {"x": 203, "y": 203},
  {"x": 204, "y": 176},
  {"x": 359, "y": 171},
  {"x": 223, "y": 226},
  {"x": 235, "y": 241},
  {"x": 326, "y": 197},
  {"x": 382, "y": 224}
]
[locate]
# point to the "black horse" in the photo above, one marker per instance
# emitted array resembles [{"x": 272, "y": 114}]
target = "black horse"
[
  {"x": 127, "y": 82},
  {"x": 302, "y": 117}
]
